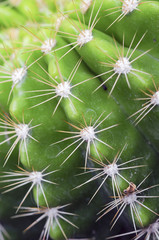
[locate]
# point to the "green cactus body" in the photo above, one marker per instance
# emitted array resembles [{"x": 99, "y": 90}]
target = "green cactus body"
[
  {"x": 10, "y": 18},
  {"x": 137, "y": 77},
  {"x": 113, "y": 20},
  {"x": 79, "y": 118}
]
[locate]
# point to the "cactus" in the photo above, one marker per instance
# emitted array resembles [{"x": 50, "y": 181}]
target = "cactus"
[{"x": 79, "y": 128}]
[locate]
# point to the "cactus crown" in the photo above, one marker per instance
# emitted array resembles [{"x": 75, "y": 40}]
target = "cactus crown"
[{"x": 86, "y": 83}]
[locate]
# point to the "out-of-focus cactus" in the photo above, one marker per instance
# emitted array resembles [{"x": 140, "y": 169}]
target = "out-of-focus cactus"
[{"x": 79, "y": 129}]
